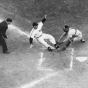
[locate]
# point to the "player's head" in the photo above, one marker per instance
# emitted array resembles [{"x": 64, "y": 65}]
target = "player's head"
[
  {"x": 8, "y": 20},
  {"x": 35, "y": 25},
  {"x": 66, "y": 28}
]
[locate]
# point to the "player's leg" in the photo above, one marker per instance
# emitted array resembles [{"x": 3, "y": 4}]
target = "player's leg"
[
  {"x": 79, "y": 38},
  {"x": 52, "y": 40},
  {"x": 69, "y": 42},
  {"x": 42, "y": 41}
]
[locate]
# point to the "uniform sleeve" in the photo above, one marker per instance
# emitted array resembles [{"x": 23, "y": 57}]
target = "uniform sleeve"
[
  {"x": 4, "y": 33},
  {"x": 69, "y": 36},
  {"x": 40, "y": 24},
  {"x": 44, "y": 19},
  {"x": 32, "y": 33},
  {"x": 31, "y": 40}
]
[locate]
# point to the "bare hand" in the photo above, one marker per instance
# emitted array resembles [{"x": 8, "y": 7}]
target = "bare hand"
[
  {"x": 31, "y": 46},
  {"x": 45, "y": 15}
]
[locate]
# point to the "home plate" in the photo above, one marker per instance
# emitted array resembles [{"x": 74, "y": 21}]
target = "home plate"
[{"x": 81, "y": 59}]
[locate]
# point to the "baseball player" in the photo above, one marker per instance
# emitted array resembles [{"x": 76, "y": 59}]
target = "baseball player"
[
  {"x": 38, "y": 34},
  {"x": 72, "y": 36}
]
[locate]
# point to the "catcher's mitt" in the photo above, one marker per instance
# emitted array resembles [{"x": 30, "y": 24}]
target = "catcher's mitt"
[{"x": 64, "y": 48}]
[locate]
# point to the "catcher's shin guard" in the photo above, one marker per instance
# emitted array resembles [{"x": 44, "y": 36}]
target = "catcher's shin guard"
[{"x": 68, "y": 43}]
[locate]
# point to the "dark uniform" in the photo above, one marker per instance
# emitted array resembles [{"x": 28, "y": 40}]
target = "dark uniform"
[{"x": 3, "y": 28}]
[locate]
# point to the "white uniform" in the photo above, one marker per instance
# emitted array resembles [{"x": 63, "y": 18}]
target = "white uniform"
[
  {"x": 75, "y": 34},
  {"x": 40, "y": 36}
]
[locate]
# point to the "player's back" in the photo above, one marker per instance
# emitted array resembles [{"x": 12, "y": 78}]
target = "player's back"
[{"x": 73, "y": 31}]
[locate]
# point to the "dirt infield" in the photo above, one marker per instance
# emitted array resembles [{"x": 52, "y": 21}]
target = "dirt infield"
[{"x": 39, "y": 68}]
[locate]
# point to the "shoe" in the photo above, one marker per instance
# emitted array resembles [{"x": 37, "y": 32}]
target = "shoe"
[
  {"x": 82, "y": 40},
  {"x": 56, "y": 46},
  {"x": 7, "y": 52},
  {"x": 49, "y": 49}
]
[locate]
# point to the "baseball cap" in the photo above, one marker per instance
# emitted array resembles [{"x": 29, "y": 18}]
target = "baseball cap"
[
  {"x": 66, "y": 26},
  {"x": 35, "y": 24},
  {"x": 9, "y": 20}
]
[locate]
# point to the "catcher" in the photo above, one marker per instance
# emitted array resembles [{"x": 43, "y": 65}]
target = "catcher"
[{"x": 72, "y": 36}]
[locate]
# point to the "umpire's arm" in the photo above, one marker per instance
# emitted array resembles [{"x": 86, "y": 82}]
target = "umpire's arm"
[{"x": 4, "y": 33}]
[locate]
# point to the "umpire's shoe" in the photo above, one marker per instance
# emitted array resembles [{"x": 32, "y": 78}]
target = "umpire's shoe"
[
  {"x": 7, "y": 52},
  {"x": 49, "y": 49}
]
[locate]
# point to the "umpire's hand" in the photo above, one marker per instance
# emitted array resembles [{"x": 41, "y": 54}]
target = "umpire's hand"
[{"x": 5, "y": 37}]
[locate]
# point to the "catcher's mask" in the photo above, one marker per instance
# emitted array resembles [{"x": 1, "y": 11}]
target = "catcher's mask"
[{"x": 66, "y": 28}]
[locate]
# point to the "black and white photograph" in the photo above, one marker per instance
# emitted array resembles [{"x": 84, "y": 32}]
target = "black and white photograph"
[{"x": 43, "y": 44}]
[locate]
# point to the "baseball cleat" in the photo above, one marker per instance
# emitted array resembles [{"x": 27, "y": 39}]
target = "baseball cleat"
[
  {"x": 82, "y": 40},
  {"x": 49, "y": 49},
  {"x": 56, "y": 46}
]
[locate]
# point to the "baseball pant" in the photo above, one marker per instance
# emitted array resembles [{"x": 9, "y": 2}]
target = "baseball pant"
[
  {"x": 47, "y": 37},
  {"x": 77, "y": 38},
  {"x": 74, "y": 39}
]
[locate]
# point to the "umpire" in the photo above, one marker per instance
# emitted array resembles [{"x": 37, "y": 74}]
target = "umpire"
[{"x": 3, "y": 27}]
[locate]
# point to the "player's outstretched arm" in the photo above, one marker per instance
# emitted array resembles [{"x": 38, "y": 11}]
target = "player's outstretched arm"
[
  {"x": 62, "y": 36},
  {"x": 44, "y": 19}
]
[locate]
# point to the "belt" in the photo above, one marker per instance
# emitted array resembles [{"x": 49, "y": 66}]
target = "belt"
[{"x": 39, "y": 36}]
